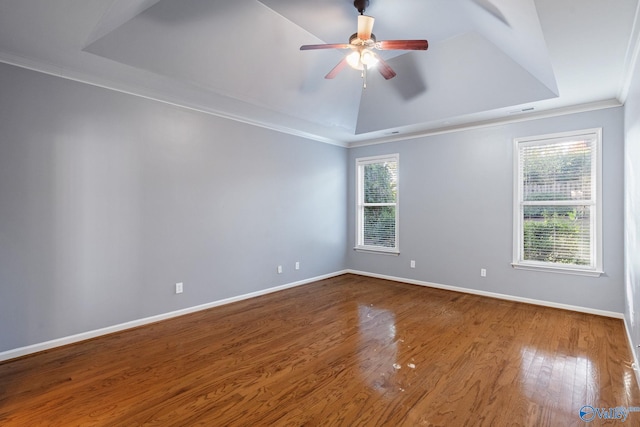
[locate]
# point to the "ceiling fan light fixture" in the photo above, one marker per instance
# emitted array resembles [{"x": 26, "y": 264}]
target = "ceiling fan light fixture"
[
  {"x": 353, "y": 59},
  {"x": 359, "y": 58},
  {"x": 368, "y": 58}
]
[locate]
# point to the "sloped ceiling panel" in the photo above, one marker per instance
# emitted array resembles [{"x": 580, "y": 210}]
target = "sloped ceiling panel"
[
  {"x": 119, "y": 12},
  {"x": 589, "y": 52},
  {"x": 460, "y": 76},
  {"x": 245, "y": 51},
  {"x": 520, "y": 36},
  {"x": 249, "y": 50}
]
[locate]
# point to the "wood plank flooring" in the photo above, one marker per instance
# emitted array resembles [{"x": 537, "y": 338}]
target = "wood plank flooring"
[{"x": 347, "y": 351}]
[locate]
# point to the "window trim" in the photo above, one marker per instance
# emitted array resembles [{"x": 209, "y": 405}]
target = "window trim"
[
  {"x": 594, "y": 270},
  {"x": 360, "y": 163}
]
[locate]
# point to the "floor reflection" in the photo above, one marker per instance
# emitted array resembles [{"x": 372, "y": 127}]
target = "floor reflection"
[
  {"x": 564, "y": 382},
  {"x": 378, "y": 347}
]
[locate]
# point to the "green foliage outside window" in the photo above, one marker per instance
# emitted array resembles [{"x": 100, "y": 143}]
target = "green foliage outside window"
[
  {"x": 558, "y": 233},
  {"x": 556, "y": 236},
  {"x": 380, "y": 186}
]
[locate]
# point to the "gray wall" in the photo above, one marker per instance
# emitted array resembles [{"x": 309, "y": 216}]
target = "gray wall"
[
  {"x": 632, "y": 210},
  {"x": 107, "y": 200},
  {"x": 456, "y": 193}
]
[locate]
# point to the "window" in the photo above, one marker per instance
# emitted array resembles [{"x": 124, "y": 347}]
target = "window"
[
  {"x": 557, "y": 209},
  {"x": 377, "y": 204}
]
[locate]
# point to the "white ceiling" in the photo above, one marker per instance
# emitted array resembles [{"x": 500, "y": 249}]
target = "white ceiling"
[{"x": 488, "y": 60}]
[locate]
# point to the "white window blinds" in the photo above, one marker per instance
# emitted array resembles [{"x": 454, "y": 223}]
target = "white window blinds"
[
  {"x": 377, "y": 203},
  {"x": 557, "y": 201}
]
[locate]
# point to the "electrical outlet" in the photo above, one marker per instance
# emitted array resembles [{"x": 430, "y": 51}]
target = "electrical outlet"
[
  {"x": 179, "y": 288},
  {"x": 279, "y": 269},
  {"x": 297, "y": 265},
  {"x": 483, "y": 272},
  {"x": 413, "y": 263}
]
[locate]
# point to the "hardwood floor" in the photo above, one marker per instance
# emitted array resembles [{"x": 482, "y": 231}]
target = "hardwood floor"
[{"x": 347, "y": 351}]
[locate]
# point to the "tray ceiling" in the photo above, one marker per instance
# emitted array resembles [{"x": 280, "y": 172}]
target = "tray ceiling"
[{"x": 487, "y": 60}]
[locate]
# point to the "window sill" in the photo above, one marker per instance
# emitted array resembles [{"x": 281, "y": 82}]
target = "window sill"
[
  {"x": 561, "y": 270},
  {"x": 392, "y": 252}
]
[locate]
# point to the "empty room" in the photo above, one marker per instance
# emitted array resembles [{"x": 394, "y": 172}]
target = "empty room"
[{"x": 329, "y": 212}]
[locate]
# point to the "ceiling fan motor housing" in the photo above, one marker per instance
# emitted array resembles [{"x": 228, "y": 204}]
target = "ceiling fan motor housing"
[{"x": 354, "y": 37}]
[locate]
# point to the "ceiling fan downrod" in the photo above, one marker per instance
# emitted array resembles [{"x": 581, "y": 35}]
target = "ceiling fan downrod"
[{"x": 361, "y": 5}]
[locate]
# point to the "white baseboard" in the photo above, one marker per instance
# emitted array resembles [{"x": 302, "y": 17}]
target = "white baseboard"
[
  {"x": 35, "y": 348},
  {"x": 493, "y": 295},
  {"x": 636, "y": 365}
]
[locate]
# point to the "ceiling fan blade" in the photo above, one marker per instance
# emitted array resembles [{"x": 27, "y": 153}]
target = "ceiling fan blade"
[
  {"x": 365, "y": 27},
  {"x": 326, "y": 46},
  {"x": 402, "y": 45},
  {"x": 384, "y": 68},
  {"x": 333, "y": 73}
]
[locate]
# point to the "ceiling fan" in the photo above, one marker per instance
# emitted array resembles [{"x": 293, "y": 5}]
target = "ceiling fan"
[{"x": 362, "y": 44}]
